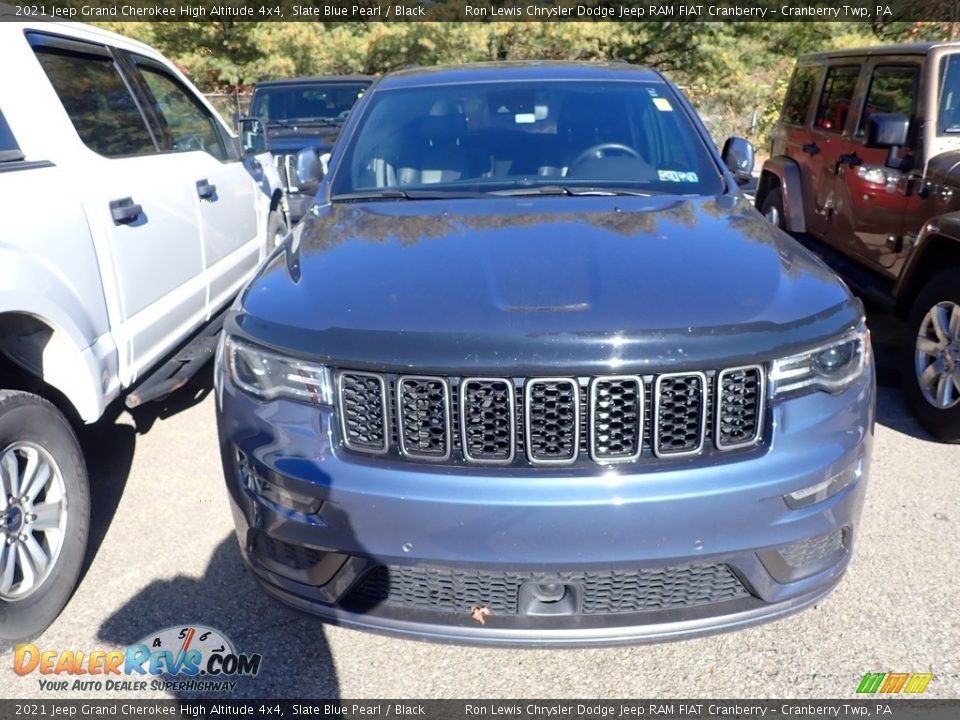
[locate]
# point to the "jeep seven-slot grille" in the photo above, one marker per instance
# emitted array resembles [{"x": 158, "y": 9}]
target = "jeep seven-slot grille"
[
  {"x": 610, "y": 419},
  {"x": 457, "y": 590}
]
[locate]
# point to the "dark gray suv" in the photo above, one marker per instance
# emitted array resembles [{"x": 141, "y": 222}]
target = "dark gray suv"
[{"x": 532, "y": 371}]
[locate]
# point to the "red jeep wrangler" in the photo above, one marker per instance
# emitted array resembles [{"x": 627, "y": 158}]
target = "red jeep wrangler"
[{"x": 865, "y": 169}]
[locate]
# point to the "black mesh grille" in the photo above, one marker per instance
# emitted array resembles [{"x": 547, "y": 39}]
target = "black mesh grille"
[
  {"x": 552, "y": 407},
  {"x": 816, "y": 548},
  {"x": 617, "y": 418},
  {"x": 738, "y": 415},
  {"x": 363, "y": 404},
  {"x": 679, "y": 414},
  {"x": 608, "y": 418},
  {"x": 602, "y": 593},
  {"x": 487, "y": 420},
  {"x": 424, "y": 416},
  {"x": 293, "y": 556}
]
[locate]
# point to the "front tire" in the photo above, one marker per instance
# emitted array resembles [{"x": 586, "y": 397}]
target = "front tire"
[
  {"x": 44, "y": 514},
  {"x": 772, "y": 208},
  {"x": 931, "y": 359}
]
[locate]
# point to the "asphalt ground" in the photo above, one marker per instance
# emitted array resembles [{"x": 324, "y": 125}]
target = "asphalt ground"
[{"x": 163, "y": 553}]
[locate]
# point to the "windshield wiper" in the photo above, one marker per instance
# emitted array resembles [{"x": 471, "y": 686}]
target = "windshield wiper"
[
  {"x": 397, "y": 194},
  {"x": 293, "y": 122},
  {"x": 568, "y": 190}
]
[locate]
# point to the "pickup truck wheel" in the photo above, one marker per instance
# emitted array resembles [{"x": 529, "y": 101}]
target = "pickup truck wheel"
[
  {"x": 772, "y": 208},
  {"x": 44, "y": 514},
  {"x": 932, "y": 359}
]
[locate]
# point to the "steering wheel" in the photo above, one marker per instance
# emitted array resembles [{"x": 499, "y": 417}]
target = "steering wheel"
[{"x": 598, "y": 151}]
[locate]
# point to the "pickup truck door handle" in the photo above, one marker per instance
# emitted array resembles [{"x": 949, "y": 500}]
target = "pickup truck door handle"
[
  {"x": 124, "y": 211},
  {"x": 206, "y": 190},
  {"x": 811, "y": 149}
]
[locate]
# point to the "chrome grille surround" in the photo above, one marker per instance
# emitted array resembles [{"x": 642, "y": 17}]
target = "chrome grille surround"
[
  {"x": 529, "y": 388},
  {"x": 404, "y": 423},
  {"x": 465, "y": 426},
  {"x": 560, "y": 421},
  {"x": 596, "y": 385},
  {"x": 759, "y": 408},
  {"x": 658, "y": 420},
  {"x": 349, "y": 437}
]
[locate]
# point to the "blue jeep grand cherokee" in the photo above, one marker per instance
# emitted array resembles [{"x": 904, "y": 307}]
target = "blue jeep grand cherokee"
[{"x": 531, "y": 371}]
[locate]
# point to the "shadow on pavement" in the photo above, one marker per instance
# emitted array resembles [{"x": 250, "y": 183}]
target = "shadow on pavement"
[
  {"x": 887, "y": 333},
  {"x": 296, "y": 657},
  {"x": 108, "y": 447}
]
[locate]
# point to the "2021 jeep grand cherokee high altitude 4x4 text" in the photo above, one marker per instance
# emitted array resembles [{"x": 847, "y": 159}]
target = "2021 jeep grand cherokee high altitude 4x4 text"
[
  {"x": 532, "y": 371},
  {"x": 865, "y": 169}
]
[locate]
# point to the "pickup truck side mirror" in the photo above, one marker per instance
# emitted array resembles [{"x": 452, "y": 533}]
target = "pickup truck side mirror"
[
  {"x": 887, "y": 130},
  {"x": 738, "y": 155},
  {"x": 310, "y": 170},
  {"x": 252, "y": 138}
]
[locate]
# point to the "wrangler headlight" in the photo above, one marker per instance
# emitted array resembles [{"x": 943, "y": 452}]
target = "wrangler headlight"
[
  {"x": 267, "y": 375},
  {"x": 832, "y": 367}
]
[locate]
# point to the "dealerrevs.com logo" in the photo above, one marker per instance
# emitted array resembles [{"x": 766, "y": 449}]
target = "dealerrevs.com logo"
[{"x": 175, "y": 659}]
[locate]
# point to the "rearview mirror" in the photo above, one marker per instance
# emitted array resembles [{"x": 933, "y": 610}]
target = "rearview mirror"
[
  {"x": 252, "y": 138},
  {"x": 738, "y": 156},
  {"x": 310, "y": 170},
  {"x": 888, "y": 130}
]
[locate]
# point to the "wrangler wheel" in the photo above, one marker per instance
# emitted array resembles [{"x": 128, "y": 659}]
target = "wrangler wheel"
[{"x": 932, "y": 357}]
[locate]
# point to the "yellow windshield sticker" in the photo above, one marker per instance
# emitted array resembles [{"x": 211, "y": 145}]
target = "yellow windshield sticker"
[{"x": 663, "y": 105}]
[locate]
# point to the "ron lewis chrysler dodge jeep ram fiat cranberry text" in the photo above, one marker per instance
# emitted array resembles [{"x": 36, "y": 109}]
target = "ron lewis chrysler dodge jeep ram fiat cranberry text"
[{"x": 532, "y": 371}]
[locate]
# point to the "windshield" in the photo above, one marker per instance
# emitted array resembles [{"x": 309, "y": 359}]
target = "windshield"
[
  {"x": 949, "y": 95},
  {"x": 304, "y": 102},
  {"x": 490, "y": 137}
]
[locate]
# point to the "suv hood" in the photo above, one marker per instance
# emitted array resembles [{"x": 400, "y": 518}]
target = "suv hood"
[
  {"x": 293, "y": 139},
  {"x": 591, "y": 283}
]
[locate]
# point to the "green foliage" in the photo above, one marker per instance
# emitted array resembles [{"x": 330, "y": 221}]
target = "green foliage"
[{"x": 735, "y": 73}]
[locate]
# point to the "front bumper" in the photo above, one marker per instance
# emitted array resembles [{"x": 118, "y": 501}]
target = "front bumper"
[{"x": 330, "y": 519}]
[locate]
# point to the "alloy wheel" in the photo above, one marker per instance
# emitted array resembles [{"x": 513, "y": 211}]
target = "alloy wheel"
[
  {"x": 937, "y": 355},
  {"x": 33, "y": 518}
]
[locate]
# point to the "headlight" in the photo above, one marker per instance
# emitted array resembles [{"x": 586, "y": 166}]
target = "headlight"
[
  {"x": 267, "y": 375},
  {"x": 832, "y": 367}
]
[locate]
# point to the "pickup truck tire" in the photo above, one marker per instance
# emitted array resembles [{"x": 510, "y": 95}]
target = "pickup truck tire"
[
  {"x": 772, "y": 208},
  {"x": 932, "y": 357},
  {"x": 276, "y": 230},
  {"x": 45, "y": 514}
]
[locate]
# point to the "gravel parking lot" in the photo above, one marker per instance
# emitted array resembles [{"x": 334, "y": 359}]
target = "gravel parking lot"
[{"x": 163, "y": 553}]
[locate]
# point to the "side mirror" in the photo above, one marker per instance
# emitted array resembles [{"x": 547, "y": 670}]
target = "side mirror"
[
  {"x": 252, "y": 138},
  {"x": 310, "y": 170},
  {"x": 888, "y": 130},
  {"x": 738, "y": 155}
]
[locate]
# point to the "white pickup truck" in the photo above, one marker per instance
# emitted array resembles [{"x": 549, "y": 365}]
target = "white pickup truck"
[{"x": 131, "y": 218}]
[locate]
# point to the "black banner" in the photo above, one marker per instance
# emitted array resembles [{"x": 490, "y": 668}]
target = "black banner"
[
  {"x": 872, "y": 11},
  {"x": 880, "y": 707}
]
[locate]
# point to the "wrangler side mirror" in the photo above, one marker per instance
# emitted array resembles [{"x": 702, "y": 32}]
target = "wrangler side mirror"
[{"x": 888, "y": 130}]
